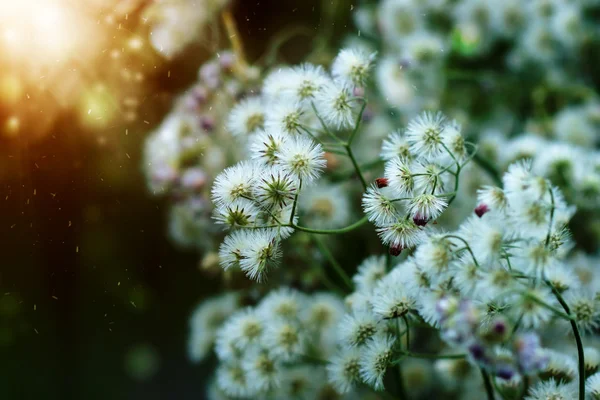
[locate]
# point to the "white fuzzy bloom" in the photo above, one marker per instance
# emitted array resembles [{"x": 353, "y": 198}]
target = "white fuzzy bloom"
[
  {"x": 493, "y": 197},
  {"x": 278, "y": 83},
  {"x": 395, "y": 145},
  {"x": 533, "y": 314},
  {"x": 302, "y": 157},
  {"x": 262, "y": 369},
  {"x": 261, "y": 253},
  {"x": 335, "y": 105},
  {"x": 368, "y": 273},
  {"x": 247, "y": 117},
  {"x": 428, "y": 178},
  {"x": 284, "y": 339},
  {"x": 205, "y": 321},
  {"x": 416, "y": 278},
  {"x": 435, "y": 253},
  {"x": 426, "y": 206},
  {"x": 265, "y": 145},
  {"x": 230, "y": 251},
  {"x": 304, "y": 381},
  {"x": 400, "y": 177},
  {"x": 486, "y": 236},
  {"x": 239, "y": 213},
  {"x": 242, "y": 330},
  {"x": 357, "y": 328},
  {"x": 321, "y": 316},
  {"x": 426, "y": 135},
  {"x": 306, "y": 82},
  {"x": 275, "y": 187},
  {"x": 325, "y": 206},
  {"x": 390, "y": 297},
  {"x": 285, "y": 116},
  {"x": 234, "y": 183},
  {"x": 351, "y": 67},
  {"x": 592, "y": 386},
  {"x": 233, "y": 380},
  {"x": 283, "y": 304},
  {"x": 585, "y": 309},
  {"x": 403, "y": 234},
  {"x": 551, "y": 389},
  {"x": 343, "y": 370},
  {"x": 375, "y": 359},
  {"x": 379, "y": 208}
]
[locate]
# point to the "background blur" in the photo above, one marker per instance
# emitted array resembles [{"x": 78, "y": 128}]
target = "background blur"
[{"x": 94, "y": 299}]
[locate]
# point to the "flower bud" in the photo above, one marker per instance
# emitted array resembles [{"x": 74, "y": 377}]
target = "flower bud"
[
  {"x": 381, "y": 182},
  {"x": 481, "y": 209}
]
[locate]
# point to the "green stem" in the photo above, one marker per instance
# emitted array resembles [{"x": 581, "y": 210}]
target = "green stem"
[
  {"x": 433, "y": 356},
  {"x": 487, "y": 383},
  {"x": 489, "y": 168},
  {"x": 333, "y": 135},
  {"x": 348, "y": 228},
  {"x": 336, "y": 266},
  {"x": 407, "y": 326},
  {"x": 358, "y": 121},
  {"x": 551, "y": 217},
  {"x": 549, "y": 307},
  {"x": 580, "y": 353},
  {"x": 295, "y": 203},
  {"x": 467, "y": 246},
  {"x": 356, "y": 167},
  {"x": 401, "y": 388}
]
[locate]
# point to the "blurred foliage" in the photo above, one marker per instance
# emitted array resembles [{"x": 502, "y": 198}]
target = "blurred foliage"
[{"x": 94, "y": 300}]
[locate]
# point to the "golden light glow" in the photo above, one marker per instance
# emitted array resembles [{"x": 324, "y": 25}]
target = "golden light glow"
[
  {"x": 41, "y": 33},
  {"x": 69, "y": 56}
]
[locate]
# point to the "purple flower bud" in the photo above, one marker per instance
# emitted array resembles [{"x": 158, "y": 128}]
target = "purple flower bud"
[
  {"x": 419, "y": 220},
  {"x": 227, "y": 60},
  {"x": 505, "y": 372},
  {"x": 481, "y": 209},
  {"x": 193, "y": 179},
  {"x": 396, "y": 250},
  {"x": 207, "y": 123},
  {"x": 477, "y": 351},
  {"x": 358, "y": 92}
]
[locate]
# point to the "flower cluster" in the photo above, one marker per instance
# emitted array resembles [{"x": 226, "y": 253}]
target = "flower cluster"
[
  {"x": 186, "y": 151},
  {"x": 491, "y": 294},
  {"x": 499, "y": 291},
  {"x": 176, "y": 24},
  {"x": 421, "y": 177},
  {"x": 274, "y": 349},
  {"x": 260, "y": 199}
]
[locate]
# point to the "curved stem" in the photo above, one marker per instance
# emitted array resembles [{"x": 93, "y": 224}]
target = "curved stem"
[
  {"x": 433, "y": 356},
  {"x": 489, "y": 168},
  {"x": 467, "y": 247},
  {"x": 551, "y": 217},
  {"x": 336, "y": 266},
  {"x": 358, "y": 121},
  {"x": 580, "y": 353},
  {"x": 349, "y": 228},
  {"x": 295, "y": 203},
  {"x": 356, "y": 167},
  {"x": 487, "y": 383}
]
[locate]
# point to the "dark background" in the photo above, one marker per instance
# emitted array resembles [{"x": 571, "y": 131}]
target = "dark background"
[{"x": 87, "y": 274}]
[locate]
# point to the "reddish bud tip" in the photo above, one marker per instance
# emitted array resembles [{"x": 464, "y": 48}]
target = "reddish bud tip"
[
  {"x": 396, "y": 250},
  {"x": 419, "y": 220},
  {"x": 481, "y": 209},
  {"x": 381, "y": 182}
]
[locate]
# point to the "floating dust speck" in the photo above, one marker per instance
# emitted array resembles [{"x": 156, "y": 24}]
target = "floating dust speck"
[{"x": 55, "y": 298}]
